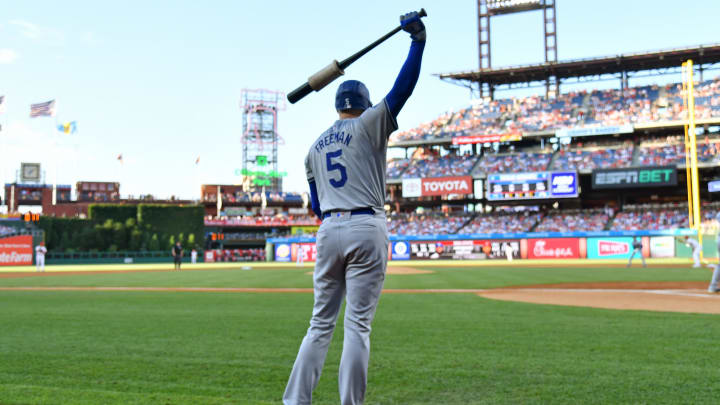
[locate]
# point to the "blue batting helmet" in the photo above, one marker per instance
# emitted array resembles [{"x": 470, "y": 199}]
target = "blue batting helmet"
[{"x": 352, "y": 95}]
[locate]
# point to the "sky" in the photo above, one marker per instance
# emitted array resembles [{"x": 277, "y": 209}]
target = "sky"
[{"x": 160, "y": 81}]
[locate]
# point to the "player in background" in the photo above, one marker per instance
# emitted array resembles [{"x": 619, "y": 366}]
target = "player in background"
[
  {"x": 300, "y": 253},
  {"x": 637, "y": 248},
  {"x": 40, "y": 251},
  {"x": 508, "y": 251},
  {"x": 177, "y": 253},
  {"x": 714, "y": 287},
  {"x": 346, "y": 172},
  {"x": 693, "y": 244},
  {"x": 193, "y": 256}
]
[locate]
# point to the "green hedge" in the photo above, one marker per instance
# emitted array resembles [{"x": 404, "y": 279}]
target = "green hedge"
[
  {"x": 153, "y": 227},
  {"x": 117, "y": 213}
]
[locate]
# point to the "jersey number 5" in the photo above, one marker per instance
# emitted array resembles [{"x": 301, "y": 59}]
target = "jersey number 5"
[{"x": 336, "y": 166}]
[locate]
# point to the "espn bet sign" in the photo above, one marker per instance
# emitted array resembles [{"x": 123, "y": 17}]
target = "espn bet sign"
[{"x": 634, "y": 177}]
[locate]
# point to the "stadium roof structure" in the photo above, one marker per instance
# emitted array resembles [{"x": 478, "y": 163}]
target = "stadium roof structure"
[{"x": 704, "y": 56}]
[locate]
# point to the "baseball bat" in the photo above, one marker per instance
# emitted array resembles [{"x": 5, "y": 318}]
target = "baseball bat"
[{"x": 336, "y": 69}]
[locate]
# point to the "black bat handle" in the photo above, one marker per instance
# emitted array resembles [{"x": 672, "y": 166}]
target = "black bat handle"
[{"x": 299, "y": 93}]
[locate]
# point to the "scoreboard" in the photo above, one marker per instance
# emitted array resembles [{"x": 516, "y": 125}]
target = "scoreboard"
[{"x": 532, "y": 186}]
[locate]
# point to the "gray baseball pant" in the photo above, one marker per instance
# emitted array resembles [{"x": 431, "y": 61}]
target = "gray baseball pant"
[
  {"x": 633, "y": 255},
  {"x": 713, "y": 287},
  {"x": 351, "y": 261}
]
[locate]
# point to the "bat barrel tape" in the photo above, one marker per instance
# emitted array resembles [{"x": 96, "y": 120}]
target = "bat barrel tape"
[{"x": 325, "y": 76}]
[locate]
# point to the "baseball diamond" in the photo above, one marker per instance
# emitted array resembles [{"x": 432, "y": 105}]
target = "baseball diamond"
[{"x": 273, "y": 203}]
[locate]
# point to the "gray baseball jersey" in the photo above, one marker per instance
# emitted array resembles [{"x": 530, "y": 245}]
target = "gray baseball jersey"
[{"x": 348, "y": 161}]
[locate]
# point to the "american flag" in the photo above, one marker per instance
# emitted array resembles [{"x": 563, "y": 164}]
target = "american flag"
[
  {"x": 2, "y": 104},
  {"x": 46, "y": 109}
]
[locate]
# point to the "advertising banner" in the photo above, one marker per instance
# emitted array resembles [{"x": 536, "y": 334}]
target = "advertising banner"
[
  {"x": 714, "y": 186},
  {"x": 209, "y": 256},
  {"x": 462, "y": 249},
  {"x": 634, "y": 177},
  {"x": 609, "y": 248},
  {"x": 488, "y": 138},
  {"x": 308, "y": 250},
  {"x": 446, "y": 185},
  {"x": 533, "y": 185},
  {"x": 596, "y": 130},
  {"x": 400, "y": 251},
  {"x": 554, "y": 248},
  {"x": 16, "y": 251},
  {"x": 411, "y": 187},
  {"x": 304, "y": 230},
  {"x": 662, "y": 246},
  {"x": 282, "y": 252}
]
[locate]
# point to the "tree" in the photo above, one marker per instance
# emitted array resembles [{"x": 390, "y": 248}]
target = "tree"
[
  {"x": 191, "y": 240},
  {"x": 154, "y": 244}
]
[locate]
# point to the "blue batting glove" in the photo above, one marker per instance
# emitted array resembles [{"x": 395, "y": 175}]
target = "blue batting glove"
[{"x": 412, "y": 23}]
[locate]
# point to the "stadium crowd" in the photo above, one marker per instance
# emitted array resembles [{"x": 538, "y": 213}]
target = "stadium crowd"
[
  {"x": 425, "y": 224},
  {"x": 584, "y": 220},
  {"x": 650, "y": 217},
  {"x": 503, "y": 222},
  {"x": 612, "y": 107}
]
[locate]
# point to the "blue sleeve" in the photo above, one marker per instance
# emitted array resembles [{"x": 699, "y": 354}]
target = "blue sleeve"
[
  {"x": 406, "y": 80},
  {"x": 314, "y": 199}
]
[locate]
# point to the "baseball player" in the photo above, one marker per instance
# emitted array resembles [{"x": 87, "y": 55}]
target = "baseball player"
[
  {"x": 193, "y": 256},
  {"x": 40, "y": 251},
  {"x": 695, "y": 246},
  {"x": 714, "y": 287},
  {"x": 177, "y": 253},
  {"x": 637, "y": 248},
  {"x": 300, "y": 253},
  {"x": 346, "y": 173}
]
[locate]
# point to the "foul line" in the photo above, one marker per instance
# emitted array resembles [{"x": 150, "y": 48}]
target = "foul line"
[{"x": 686, "y": 293}]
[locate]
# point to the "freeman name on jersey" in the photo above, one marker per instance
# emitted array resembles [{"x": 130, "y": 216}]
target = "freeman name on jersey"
[{"x": 337, "y": 137}]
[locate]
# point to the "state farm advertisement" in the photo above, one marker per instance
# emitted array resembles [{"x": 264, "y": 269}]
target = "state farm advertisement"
[
  {"x": 16, "y": 251},
  {"x": 446, "y": 185},
  {"x": 609, "y": 248},
  {"x": 464, "y": 249},
  {"x": 554, "y": 248}
]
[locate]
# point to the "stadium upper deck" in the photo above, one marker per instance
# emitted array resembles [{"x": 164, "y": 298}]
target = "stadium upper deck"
[{"x": 640, "y": 107}]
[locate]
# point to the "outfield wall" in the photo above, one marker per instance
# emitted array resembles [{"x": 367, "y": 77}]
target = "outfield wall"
[{"x": 532, "y": 245}]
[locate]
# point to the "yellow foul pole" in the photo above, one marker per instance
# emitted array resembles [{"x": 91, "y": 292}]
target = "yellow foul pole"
[
  {"x": 690, "y": 128},
  {"x": 688, "y": 178}
]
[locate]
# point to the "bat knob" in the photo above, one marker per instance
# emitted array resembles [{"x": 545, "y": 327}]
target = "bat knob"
[{"x": 422, "y": 13}]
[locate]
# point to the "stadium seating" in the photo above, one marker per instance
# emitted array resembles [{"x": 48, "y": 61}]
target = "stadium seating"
[
  {"x": 6, "y": 230},
  {"x": 448, "y": 165},
  {"x": 515, "y": 162},
  {"x": 395, "y": 167},
  {"x": 644, "y": 104},
  {"x": 586, "y": 158},
  {"x": 502, "y": 223},
  {"x": 573, "y": 221},
  {"x": 425, "y": 224},
  {"x": 647, "y": 217},
  {"x": 671, "y": 150}
]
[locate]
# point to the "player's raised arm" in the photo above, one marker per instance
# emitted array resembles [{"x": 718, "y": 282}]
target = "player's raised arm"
[{"x": 410, "y": 72}]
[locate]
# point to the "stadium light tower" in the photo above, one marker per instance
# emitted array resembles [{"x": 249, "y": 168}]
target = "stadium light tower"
[
  {"x": 493, "y": 8},
  {"x": 260, "y": 138}
]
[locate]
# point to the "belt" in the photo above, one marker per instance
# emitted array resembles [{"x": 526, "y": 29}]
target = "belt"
[{"x": 359, "y": 211}]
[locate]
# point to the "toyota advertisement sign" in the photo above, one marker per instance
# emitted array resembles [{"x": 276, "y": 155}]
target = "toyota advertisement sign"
[{"x": 437, "y": 186}]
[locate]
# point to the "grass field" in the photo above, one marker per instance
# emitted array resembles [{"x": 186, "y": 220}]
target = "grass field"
[{"x": 133, "y": 347}]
